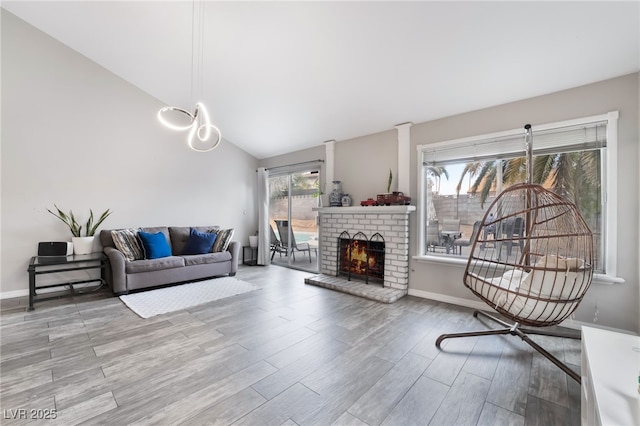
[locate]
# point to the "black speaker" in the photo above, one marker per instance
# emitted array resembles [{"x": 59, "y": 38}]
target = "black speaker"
[{"x": 53, "y": 248}]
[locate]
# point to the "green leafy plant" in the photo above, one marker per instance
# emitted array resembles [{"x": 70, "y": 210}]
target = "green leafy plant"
[
  {"x": 76, "y": 229},
  {"x": 318, "y": 191}
]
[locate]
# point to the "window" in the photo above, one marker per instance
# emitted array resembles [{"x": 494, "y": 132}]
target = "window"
[{"x": 459, "y": 180}]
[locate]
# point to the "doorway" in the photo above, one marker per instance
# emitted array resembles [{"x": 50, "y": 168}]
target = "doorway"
[{"x": 294, "y": 223}]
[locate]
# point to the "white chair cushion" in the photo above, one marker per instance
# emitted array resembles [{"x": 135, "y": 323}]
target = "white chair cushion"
[
  {"x": 511, "y": 291},
  {"x": 557, "y": 280}
]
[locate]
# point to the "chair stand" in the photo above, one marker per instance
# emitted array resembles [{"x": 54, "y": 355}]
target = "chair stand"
[{"x": 517, "y": 330}]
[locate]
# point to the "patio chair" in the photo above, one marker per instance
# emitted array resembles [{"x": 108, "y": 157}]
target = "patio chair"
[
  {"x": 433, "y": 237},
  {"x": 512, "y": 231},
  {"x": 292, "y": 246},
  {"x": 276, "y": 245},
  {"x": 450, "y": 232},
  {"x": 461, "y": 242},
  {"x": 489, "y": 229}
]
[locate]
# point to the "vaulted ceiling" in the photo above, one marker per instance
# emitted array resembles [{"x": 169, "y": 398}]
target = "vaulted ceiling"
[{"x": 282, "y": 76}]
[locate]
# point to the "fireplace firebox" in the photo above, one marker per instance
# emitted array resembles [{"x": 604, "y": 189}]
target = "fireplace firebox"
[{"x": 361, "y": 257}]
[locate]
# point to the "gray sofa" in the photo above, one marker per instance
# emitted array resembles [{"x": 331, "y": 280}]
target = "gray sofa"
[{"x": 124, "y": 275}]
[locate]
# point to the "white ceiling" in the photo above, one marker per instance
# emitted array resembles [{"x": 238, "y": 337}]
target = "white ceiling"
[{"x": 284, "y": 76}]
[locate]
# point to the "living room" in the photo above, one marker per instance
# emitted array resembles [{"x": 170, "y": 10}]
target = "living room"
[{"x": 78, "y": 135}]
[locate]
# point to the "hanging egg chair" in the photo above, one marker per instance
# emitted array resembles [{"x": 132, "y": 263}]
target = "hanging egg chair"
[{"x": 532, "y": 263}]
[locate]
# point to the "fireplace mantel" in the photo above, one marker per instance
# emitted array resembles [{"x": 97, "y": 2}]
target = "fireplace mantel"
[{"x": 366, "y": 209}]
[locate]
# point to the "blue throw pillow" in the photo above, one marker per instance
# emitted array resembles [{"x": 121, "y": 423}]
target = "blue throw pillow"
[
  {"x": 155, "y": 245},
  {"x": 199, "y": 242}
]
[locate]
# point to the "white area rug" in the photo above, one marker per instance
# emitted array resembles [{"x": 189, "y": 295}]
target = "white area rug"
[{"x": 155, "y": 302}]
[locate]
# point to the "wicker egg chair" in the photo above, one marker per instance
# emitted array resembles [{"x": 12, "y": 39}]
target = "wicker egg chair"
[{"x": 534, "y": 277}]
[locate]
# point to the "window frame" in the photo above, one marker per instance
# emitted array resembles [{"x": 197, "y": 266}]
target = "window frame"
[{"x": 609, "y": 188}]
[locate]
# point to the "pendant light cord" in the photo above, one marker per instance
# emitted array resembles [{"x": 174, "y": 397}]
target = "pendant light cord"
[
  {"x": 193, "y": 42},
  {"x": 201, "y": 53}
]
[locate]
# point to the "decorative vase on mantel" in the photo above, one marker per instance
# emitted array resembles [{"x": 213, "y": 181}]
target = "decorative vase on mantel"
[
  {"x": 335, "y": 197},
  {"x": 346, "y": 200}
]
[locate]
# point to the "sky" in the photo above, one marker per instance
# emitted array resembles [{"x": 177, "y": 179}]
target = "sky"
[{"x": 448, "y": 187}]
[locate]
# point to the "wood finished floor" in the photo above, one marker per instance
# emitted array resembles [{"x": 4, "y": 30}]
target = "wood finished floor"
[{"x": 288, "y": 354}]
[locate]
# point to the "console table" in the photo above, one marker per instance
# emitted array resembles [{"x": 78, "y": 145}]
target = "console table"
[
  {"x": 41, "y": 265},
  {"x": 610, "y": 369}
]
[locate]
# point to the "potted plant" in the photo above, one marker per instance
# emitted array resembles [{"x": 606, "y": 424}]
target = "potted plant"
[{"x": 81, "y": 244}]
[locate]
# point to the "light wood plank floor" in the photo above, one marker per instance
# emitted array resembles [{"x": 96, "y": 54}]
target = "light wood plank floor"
[{"x": 287, "y": 354}]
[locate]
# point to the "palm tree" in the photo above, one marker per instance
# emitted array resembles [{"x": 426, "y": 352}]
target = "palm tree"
[
  {"x": 437, "y": 172},
  {"x": 278, "y": 186},
  {"x": 301, "y": 181},
  {"x": 471, "y": 169},
  {"x": 574, "y": 175}
]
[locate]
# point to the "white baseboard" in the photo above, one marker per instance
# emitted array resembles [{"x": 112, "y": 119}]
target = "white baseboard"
[
  {"x": 474, "y": 304},
  {"x": 25, "y": 292},
  {"x": 14, "y": 293},
  {"x": 570, "y": 323}
]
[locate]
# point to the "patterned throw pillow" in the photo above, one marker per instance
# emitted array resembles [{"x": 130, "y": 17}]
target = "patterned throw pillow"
[
  {"x": 223, "y": 240},
  {"x": 127, "y": 241}
]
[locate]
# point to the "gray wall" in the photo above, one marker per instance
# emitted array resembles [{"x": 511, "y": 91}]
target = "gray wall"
[
  {"x": 362, "y": 164},
  {"x": 76, "y": 135}
]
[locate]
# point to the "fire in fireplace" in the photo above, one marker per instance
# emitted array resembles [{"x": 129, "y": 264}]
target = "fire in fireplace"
[{"x": 361, "y": 257}]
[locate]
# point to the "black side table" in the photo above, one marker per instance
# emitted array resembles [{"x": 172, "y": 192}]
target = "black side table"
[
  {"x": 41, "y": 265},
  {"x": 250, "y": 255}
]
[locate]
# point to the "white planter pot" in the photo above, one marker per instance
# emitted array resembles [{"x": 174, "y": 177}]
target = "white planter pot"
[
  {"x": 253, "y": 241},
  {"x": 83, "y": 245}
]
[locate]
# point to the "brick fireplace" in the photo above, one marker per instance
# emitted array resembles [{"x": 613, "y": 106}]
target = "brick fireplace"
[{"x": 391, "y": 222}]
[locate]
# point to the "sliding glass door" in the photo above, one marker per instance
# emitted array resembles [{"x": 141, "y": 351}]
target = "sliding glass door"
[{"x": 294, "y": 235}]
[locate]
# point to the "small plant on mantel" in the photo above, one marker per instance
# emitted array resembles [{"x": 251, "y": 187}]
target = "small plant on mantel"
[
  {"x": 76, "y": 229},
  {"x": 389, "y": 182}
]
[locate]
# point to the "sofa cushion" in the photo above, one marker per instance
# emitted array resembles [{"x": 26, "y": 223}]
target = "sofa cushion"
[
  {"x": 127, "y": 241},
  {"x": 203, "y": 259},
  {"x": 106, "y": 240},
  {"x": 199, "y": 242},
  {"x": 155, "y": 245},
  {"x": 223, "y": 240},
  {"x": 163, "y": 229},
  {"x": 147, "y": 265}
]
